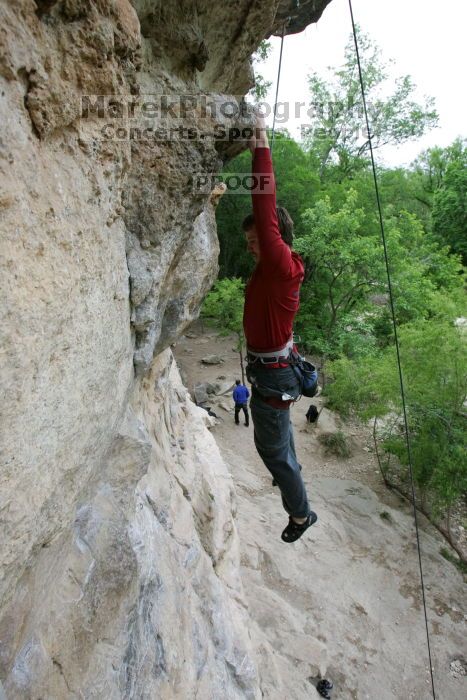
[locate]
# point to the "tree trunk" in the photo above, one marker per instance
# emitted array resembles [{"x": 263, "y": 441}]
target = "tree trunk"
[
  {"x": 241, "y": 366},
  {"x": 448, "y": 524},
  {"x": 240, "y": 352},
  {"x": 375, "y": 440},
  {"x": 442, "y": 530},
  {"x": 446, "y": 532}
]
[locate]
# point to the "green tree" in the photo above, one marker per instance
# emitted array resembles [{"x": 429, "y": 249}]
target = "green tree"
[
  {"x": 425, "y": 180},
  {"x": 343, "y": 268},
  {"x": 434, "y": 363},
  {"x": 345, "y": 297},
  {"x": 337, "y": 132},
  {"x": 450, "y": 205},
  {"x": 261, "y": 86},
  {"x": 297, "y": 183},
  {"x": 224, "y": 306},
  {"x": 234, "y": 261},
  {"x": 431, "y": 166}
]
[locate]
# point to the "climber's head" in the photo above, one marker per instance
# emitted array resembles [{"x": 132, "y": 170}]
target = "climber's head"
[{"x": 251, "y": 237}]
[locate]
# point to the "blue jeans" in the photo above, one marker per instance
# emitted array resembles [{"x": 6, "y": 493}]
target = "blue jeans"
[{"x": 273, "y": 434}]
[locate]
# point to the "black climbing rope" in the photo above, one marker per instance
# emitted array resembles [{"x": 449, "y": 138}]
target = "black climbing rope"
[
  {"x": 383, "y": 236},
  {"x": 297, "y": 5},
  {"x": 391, "y": 298},
  {"x": 277, "y": 86}
]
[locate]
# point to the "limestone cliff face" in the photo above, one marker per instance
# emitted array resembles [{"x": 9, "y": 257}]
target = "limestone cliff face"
[{"x": 118, "y": 552}]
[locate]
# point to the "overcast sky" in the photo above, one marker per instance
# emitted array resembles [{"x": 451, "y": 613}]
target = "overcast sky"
[{"x": 426, "y": 38}]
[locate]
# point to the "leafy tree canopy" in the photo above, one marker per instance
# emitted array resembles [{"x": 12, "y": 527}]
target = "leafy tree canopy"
[
  {"x": 346, "y": 291},
  {"x": 337, "y": 132},
  {"x": 434, "y": 362},
  {"x": 450, "y": 205}
]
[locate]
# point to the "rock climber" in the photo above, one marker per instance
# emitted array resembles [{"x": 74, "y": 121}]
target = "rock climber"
[
  {"x": 241, "y": 395},
  {"x": 271, "y": 303}
]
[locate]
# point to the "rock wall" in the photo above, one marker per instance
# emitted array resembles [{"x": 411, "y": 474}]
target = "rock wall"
[
  {"x": 138, "y": 594},
  {"x": 118, "y": 550}
]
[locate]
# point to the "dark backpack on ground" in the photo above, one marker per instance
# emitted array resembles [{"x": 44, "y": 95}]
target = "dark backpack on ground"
[{"x": 312, "y": 414}]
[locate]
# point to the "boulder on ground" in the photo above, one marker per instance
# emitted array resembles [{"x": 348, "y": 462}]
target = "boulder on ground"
[
  {"x": 201, "y": 395},
  {"x": 224, "y": 388},
  {"x": 212, "y": 360},
  {"x": 203, "y": 389}
]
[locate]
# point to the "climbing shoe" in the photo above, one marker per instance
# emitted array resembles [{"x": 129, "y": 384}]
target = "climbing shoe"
[{"x": 294, "y": 530}]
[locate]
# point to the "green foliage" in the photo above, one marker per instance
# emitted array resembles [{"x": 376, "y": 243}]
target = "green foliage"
[
  {"x": 262, "y": 86},
  {"x": 335, "y": 444},
  {"x": 446, "y": 307},
  {"x": 431, "y": 165},
  {"x": 263, "y": 51},
  {"x": 357, "y": 337},
  {"x": 344, "y": 300},
  {"x": 338, "y": 133},
  {"x": 234, "y": 261},
  {"x": 367, "y": 388},
  {"x": 297, "y": 184},
  {"x": 224, "y": 305},
  {"x": 450, "y": 206},
  {"x": 344, "y": 267},
  {"x": 434, "y": 362}
]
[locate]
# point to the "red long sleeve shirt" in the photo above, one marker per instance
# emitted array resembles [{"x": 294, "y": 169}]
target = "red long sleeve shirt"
[{"x": 272, "y": 293}]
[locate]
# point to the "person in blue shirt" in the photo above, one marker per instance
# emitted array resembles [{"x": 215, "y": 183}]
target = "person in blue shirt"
[{"x": 240, "y": 396}]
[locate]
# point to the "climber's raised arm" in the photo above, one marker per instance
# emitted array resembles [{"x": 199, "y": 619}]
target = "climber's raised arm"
[{"x": 273, "y": 251}]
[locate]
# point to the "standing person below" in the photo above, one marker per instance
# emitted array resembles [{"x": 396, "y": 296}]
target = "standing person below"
[
  {"x": 240, "y": 396},
  {"x": 271, "y": 303}
]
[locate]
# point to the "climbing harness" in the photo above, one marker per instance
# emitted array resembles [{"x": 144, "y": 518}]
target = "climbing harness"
[
  {"x": 305, "y": 372},
  {"x": 270, "y": 357}
]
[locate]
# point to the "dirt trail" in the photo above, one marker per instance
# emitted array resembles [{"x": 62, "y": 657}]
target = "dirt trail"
[{"x": 345, "y": 599}]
